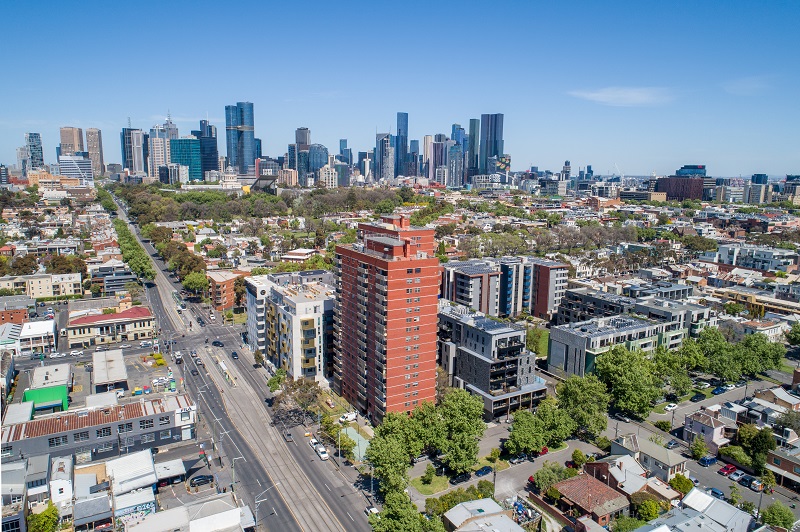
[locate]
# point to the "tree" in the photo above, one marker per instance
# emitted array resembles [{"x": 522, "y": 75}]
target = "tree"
[
  {"x": 442, "y": 383},
  {"x": 239, "y": 290},
  {"x": 195, "y": 281},
  {"x": 747, "y": 506},
  {"x": 346, "y": 445},
  {"x": 550, "y": 474},
  {"x": 681, "y": 483},
  {"x": 389, "y": 462},
  {"x": 735, "y": 495},
  {"x": 734, "y": 309},
  {"x": 494, "y": 455},
  {"x": 793, "y": 335},
  {"x": 430, "y": 472},
  {"x": 648, "y": 510},
  {"x": 768, "y": 479},
  {"x": 46, "y": 521},
  {"x": 790, "y": 420},
  {"x": 630, "y": 377},
  {"x": 399, "y": 513},
  {"x": 626, "y": 524},
  {"x": 778, "y": 514},
  {"x": 763, "y": 442},
  {"x": 276, "y": 381},
  {"x": 578, "y": 458},
  {"x": 462, "y": 419},
  {"x": 405, "y": 429},
  {"x": 406, "y": 194},
  {"x": 556, "y": 424},
  {"x": 698, "y": 448},
  {"x": 526, "y": 435},
  {"x": 258, "y": 356},
  {"x": 134, "y": 289},
  {"x": 585, "y": 400},
  {"x": 24, "y": 265}
]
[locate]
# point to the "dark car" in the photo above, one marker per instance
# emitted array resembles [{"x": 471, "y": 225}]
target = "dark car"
[
  {"x": 718, "y": 390},
  {"x": 696, "y": 398},
  {"x": 217, "y": 343},
  {"x": 458, "y": 479},
  {"x": 482, "y": 472},
  {"x": 622, "y": 417},
  {"x": 746, "y": 481},
  {"x": 201, "y": 322},
  {"x": 200, "y": 480},
  {"x": 235, "y": 355},
  {"x": 154, "y": 450},
  {"x": 195, "y": 373},
  {"x": 672, "y": 397}
]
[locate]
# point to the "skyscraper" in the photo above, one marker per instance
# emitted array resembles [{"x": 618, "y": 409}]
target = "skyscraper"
[
  {"x": 401, "y": 145},
  {"x": 427, "y": 145},
  {"x": 455, "y": 165},
  {"x": 186, "y": 152},
  {"x": 302, "y": 135},
  {"x": 345, "y": 152},
  {"x": 384, "y": 156},
  {"x": 438, "y": 159},
  {"x": 71, "y": 140},
  {"x": 240, "y": 137},
  {"x": 23, "y": 160},
  {"x": 77, "y": 166},
  {"x": 491, "y": 139},
  {"x": 258, "y": 148},
  {"x": 134, "y": 155},
  {"x": 317, "y": 157},
  {"x": 473, "y": 152},
  {"x": 412, "y": 164},
  {"x": 384, "y": 345},
  {"x": 33, "y": 141},
  {"x": 94, "y": 145},
  {"x": 209, "y": 152},
  {"x": 158, "y": 145}
]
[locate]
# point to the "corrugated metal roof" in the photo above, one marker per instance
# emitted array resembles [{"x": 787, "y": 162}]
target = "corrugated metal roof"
[{"x": 131, "y": 472}]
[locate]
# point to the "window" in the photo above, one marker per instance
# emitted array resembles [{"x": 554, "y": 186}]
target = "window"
[
  {"x": 409, "y": 281},
  {"x": 185, "y": 416},
  {"x": 107, "y": 446},
  {"x": 56, "y": 441},
  {"x": 105, "y": 432},
  {"x": 122, "y": 428},
  {"x": 417, "y": 270},
  {"x": 417, "y": 280},
  {"x": 776, "y": 461},
  {"x": 410, "y": 270},
  {"x": 163, "y": 420},
  {"x": 6, "y": 451},
  {"x": 147, "y": 438},
  {"x": 165, "y": 434},
  {"x": 146, "y": 424},
  {"x": 81, "y": 436},
  {"x": 126, "y": 442}
]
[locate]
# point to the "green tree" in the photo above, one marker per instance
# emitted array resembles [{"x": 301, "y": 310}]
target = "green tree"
[
  {"x": 578, "y": 458},
  {"x": 431, "y": 425},
  {"x": 735, "y": 495},
  {"x": 134, "y": 289},
  {"x": 346, "y": 446},
  {"x": 550, "y": 474},
  {"x": 790, "y": 420},
  {"x": 276, "y": 381},
  {"x": 430, "y": 472},
  {"x": 390, "y": 463},
  {"x": 399, "y": 513},
  {"x": 763, "y": 442},
  {"x": 793, "y": 335},
  {"x": 747, "y": 506},
  {"x": 195, "y": 282},
  {"x": 768, "y": 479},
  {"x": 406, "y": 194},
  {"x": 258, "y": 356},
  {"x": 648, "y": 510},
  {"x": 526, "y": 434},
  {"x": 630, "y": 377},
  {"x": 626, "y": 524},
  {"x": 239, "y": 290},
  {"x": 494, "y": 456},
  {"x": 46, "y": 521},
  {"x": 681, "y": 484},
  {"x": 405, "y": 429},
  {"x": 734, "y": 309},
  {"x": 585, "y": 400},
  {"x": 746, "y": 435},
  {"x": 556, "y": 424},
  {"x": 24, "y": 265},
  {"x": 778, "y": 514},
  {"x": 698, "y": 448},
  {"x": 462, "y": 419}
]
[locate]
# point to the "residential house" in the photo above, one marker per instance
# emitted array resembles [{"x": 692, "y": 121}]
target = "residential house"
[
  {"x": 585, "y": 494},
  {"x": 478, "y": 515},
  {"x": 625, "y": 474},
  {"x": 94, "y": 328},
  {"x": 702, "y": 424},
  {"x": 14, "y": 495},
  {"x": 773, "y": 330},
  {"x": 61, "y": 486},
  {"x": 780, "y": 397},
  {"x": 656, "y": 458}
]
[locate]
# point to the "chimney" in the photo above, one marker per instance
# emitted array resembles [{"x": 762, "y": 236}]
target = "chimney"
[{"x": 407, "y": 248}]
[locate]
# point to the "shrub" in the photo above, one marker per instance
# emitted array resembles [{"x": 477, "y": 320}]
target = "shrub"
[
  {"x": 430, "y": 472},
  {"x": 737, "y": 454},
  {"x": 681, "y": 483},
  {"x": 603, "y": 443},
  {"x": 664, "y": 425}
]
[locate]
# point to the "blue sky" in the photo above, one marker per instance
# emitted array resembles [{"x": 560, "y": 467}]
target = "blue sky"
[{"x": 646, "y": 86}]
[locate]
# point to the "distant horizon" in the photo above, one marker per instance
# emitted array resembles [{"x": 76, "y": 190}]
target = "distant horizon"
[{"x": 598, "y": 84}]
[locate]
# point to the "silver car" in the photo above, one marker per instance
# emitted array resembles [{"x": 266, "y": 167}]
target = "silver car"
[{"x": 735, "y": 476}]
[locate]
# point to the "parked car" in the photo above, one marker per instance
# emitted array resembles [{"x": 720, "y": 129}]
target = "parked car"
[
  {"x": 671, "y": 444},
  {"x": 348, "y": 417},
  {"x": 217, "y": 343},
  {"x": 482, "y": 472},
  {"x": 518, "y": 459},
  {"x": 727, "y": 469},
  {"x": 736, "y": 476},
  {"x": 714, "y": 492},
  {"x": 76, "y": 353},
  {"x": 458, "y": 479},
  {"x": 746, "y": 480},
  {"x": 622, "y": 417},
  {"x": 145, "y": 343},
  {"x": 741, "y": 383},
  {"x": 670, "y": 407},
  {"x": 235, "y": 355},
  {"x": 288, "y": 436},
  {"x": 707, "y": 461},
  {"x": 370, "y": 510},
  {"x": 535, "y": 454},
  {"x": 718, "y": 390},
  {"x": 99, "y": 349},
  {"x": 672, "y": 397},
  {"x": 702, "y": 385},
  {"x": 125, "y": 346},
  {"x": 419, "y": 458},
  {"x": 729, "y": 386},
  {"x": 757, "y": 485},
  {"x": 200, "y": 480},
  {"x": 696, "y": 398},
  {"x": 313, "y": 443},
  {"x": 322, "y": 452},
  {"x": 56, "y": 354}
]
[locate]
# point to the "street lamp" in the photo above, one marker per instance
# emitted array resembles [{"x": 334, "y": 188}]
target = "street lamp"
[
  {"x": 262, "y": 500},
  {"x": 233, "y": 470}
]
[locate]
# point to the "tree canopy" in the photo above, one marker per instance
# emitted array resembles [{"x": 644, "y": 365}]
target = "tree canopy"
[{"x": 631, "y": 378}]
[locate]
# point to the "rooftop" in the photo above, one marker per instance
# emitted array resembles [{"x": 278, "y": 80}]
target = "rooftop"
[
  {"x": 592, "y": 495},
  {"x": 467, "y": 510},
  {"x": 605, "y": 325},
  {"x": 133, "y": 313},
  {"x": 55, "y": 375},
  {"x": 221, "y": 276},
  {"x": 109, "y": 367}
]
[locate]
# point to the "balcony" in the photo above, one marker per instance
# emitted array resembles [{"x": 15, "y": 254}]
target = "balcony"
[
  {"x": 307, "y": 324},
  {"x": 311, "y": 342},
  {"x": 307, "y": 363}
]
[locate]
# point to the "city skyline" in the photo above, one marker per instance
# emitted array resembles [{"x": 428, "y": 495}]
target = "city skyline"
[{"x": 609, "y": 94}]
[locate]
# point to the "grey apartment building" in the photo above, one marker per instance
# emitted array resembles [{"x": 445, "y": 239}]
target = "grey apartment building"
[{"x": 488, "y": 359}]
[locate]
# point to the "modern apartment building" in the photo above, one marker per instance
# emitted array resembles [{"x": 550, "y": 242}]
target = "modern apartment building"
[
  {"x": 506, "y": 286},
  {"x": 385, "y": 318},
  {"x": 581, "y": 304},
  {"x": 755, "y": 257},
  {"x": 94, "y": 145},
  {"x": 291, "y": 325},
  {"x": 43, "y": 285},
  {"x": 488, "y": 359}
]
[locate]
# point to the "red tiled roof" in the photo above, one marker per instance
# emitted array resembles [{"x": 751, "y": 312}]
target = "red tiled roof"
[
  {"x": 590, "y": 494},
  {"x": 134, "y": 313}
]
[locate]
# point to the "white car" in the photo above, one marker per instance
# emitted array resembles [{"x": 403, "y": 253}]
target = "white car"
[
  {"x": 670, "y": 407},
  {"x": 313, "y": 443},
  {"x": 76, "y": 353},
  {"x": 370, "y": 510},
  {"x": 125, "y": 346},
  {"x": 702, "y": 385},
  {"x": 322, "y": 452},
  {"x": 57, "y": 355}
]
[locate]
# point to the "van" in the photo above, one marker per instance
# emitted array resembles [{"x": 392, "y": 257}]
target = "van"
[
  {"x": 348, "y": 417},
  {"x": 707, "y": 461}
]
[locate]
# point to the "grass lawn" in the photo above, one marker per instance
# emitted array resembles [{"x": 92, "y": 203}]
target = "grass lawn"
[
  {"x": 561, "y": 447},
  {"x": 501, "y": 464},
  {"x": 239, "y": 319},
  {"x": 543, "y": 341},
  {"x": 438, "y": 484}
]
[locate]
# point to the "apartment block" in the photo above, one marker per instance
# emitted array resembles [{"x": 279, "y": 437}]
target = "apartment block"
[
  {"x": 291, "y": 325},
  {"x": 385, "y": 318},
  {"x": 583, "y": 304},
  {"x": 488, "y": 359},
  {"x": 221, "y": 287},
  {"x": 474, "y": 284},
  {"x": 43, "y": 285},
  {"x": 755, "y": 257}
]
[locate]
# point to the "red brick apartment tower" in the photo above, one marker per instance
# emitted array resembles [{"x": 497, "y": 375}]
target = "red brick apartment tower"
[{"x": 385, "y": 318}]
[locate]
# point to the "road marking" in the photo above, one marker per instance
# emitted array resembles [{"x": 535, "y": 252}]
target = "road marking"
[
  {"x": 326, "y": 487},
  {"x": 350, "y": 516}
]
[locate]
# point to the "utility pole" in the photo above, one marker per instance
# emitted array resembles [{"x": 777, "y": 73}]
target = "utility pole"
[
  {"x": 233, "y": 471},
  {"x": 258, "y": 502}
]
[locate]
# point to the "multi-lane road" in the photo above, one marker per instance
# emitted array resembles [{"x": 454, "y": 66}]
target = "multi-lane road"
[{"x": 308, "y": 494}]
